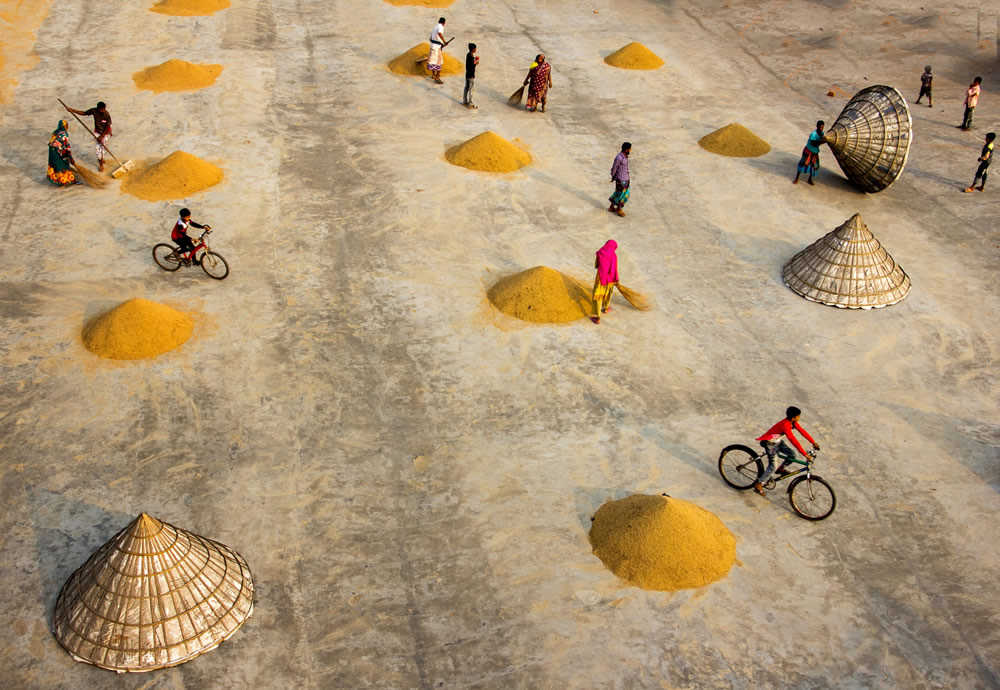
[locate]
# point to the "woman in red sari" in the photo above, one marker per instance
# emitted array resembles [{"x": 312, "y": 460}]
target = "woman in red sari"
[{"x": 540, "y": 78}]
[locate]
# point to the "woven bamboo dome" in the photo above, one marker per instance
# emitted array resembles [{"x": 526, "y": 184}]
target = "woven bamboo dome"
[
  {"x": 847, "y": 268},
  {"x": 872, "y": 136},
  {"x": 153, "y": 596}
]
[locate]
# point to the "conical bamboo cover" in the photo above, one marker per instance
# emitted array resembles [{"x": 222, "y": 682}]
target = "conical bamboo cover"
[
  {"x": 153, "y": 596},
  {"x": 872, "y": 136},
  {"x": 847, "y": 268}
]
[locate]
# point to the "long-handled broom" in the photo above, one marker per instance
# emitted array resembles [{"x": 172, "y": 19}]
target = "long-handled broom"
[
  {"x": 125, "y": 167},
  {"x": 92, "y": 178},
  {"x": 634, "y": 298}
]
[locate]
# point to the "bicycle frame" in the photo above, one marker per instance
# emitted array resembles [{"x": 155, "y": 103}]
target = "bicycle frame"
[
  {"x": 200, "y": 243},
  {"x": 807, "y": 468}
]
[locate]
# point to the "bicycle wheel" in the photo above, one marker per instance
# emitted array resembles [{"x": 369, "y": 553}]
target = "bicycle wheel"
[
  {"x": 739, "y": 466},
  {"x": 165, "y": 256},
  {"x": 811, "y": 498},
  {"x": 214, "y": 265}
]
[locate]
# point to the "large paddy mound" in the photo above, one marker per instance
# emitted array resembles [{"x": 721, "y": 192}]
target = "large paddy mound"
[
  {"x": 662, "y": 543},
  {"x": 176, "y": 75},
  {"x": 541, "y": 295},
  {"x": 488, "y": 152},
  {"x": 407, "y": 62},
  {"x": 189, "y": 8},
  {"x": 137, "y": 329},
  {"x": 177, "y": 176},
  {"x": 634, "y": 56},
  {"x": 734, "y": 140}
]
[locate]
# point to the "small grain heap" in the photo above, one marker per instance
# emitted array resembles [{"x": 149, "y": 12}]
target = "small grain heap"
[
  {"x": 421, "y": 3},
  {"x": 662, "y": 543},
  {"x": 488, "y": 152},
  {"x": 407, "y": 62},
  {"x": 177, "y": 176},
  {"x": 189, "y": 8},
  {"x": 176, "y": 75},
  {"x": 634, "y": 56},
  {"x": 137, "y": 329},
  {"x": 734, "y": 140},
  {"x": 541, "y": 295}
]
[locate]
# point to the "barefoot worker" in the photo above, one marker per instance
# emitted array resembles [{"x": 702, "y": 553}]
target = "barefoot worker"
[
  {"x": 809, "y": 164},
  {"x": 619, "y": 175},
  {"x": 606, "y": 279},
  {"x": 435, "y": 59},
  {"x": 985, "y": 158},
  {"x": 61, "y": 157},
  {"x": 102, "y": 128},
  {"x": 540, "y": 78}
]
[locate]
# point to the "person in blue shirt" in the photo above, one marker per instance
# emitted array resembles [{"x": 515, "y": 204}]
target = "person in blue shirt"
[{"x": 809, "y": 164}]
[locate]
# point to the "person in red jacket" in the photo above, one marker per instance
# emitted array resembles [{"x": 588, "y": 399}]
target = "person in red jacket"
[
  {"x": 773, "y": 443},
  {"x": 180, "y": 237}
]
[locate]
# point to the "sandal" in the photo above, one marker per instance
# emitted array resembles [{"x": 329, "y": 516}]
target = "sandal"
[
  {"x": 596, "y": 319},
  {"x": 606, "y": 310},
  {"x": 759, "y": 489}
]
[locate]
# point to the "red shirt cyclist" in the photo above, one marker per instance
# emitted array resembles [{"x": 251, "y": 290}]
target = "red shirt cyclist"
[
  {"x": 180, "y": 237},
  {"x": 773, "y": 443}
]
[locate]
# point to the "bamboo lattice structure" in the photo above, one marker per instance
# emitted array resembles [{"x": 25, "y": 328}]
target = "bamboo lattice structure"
[
  {"x": 847, "y": 268},
  {"x": 153, "y": 596},
  {"x": 871, "y": 138}
]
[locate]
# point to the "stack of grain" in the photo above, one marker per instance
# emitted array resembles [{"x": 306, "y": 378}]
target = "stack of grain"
[
  {"x": 734, "y": 140},
  {"x": 137, "y": 329},
  {"x": 661, "y": 543},
  {"x": 488, "y": 152},
  {"x": 189, "y": 8},
  {"x": 634, "y": 56},
  {"x": 177, "y": 176},
  {"x": 176, "y": 75},
  {"x": 407, "y": 62},
  {"x": 541, "y": 295}
]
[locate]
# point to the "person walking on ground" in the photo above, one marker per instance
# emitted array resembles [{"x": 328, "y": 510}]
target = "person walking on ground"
[
  {"x": 926, "y": 79},
  {"x": 619, "y": 175},
  {"x": 985, "y": 158},
  {"x": 809, "y": 163},
  {"x": 971, "y": 99},
  {"x": 59, "y": 171},
  {"x": 605, "y": 280},
  {"x": 102, "y": 128},
  {"x": 471, "y": 62},
  {"x": 435, "y": 59},
  {"x": 540, "y": 78},
  {"x": 773, "y": 443}
]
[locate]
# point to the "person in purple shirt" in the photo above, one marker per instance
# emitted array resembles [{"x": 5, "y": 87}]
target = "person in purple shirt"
[{"x": 619, "y": 175}]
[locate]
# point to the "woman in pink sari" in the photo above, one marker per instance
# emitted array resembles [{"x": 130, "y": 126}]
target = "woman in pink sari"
[
  {"x": 607, "y": 277},
  {"x": 540, "y": 78}
]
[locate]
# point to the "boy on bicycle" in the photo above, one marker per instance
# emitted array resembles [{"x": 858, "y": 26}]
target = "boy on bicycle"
[
  {"x": 773, "y": 443},
  {"x": 180, "y": 237}
]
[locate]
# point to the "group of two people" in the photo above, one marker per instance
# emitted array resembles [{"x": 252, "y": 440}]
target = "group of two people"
[
  {"x": 61, "y": 162},
  {"x": 538, "y": 81}
]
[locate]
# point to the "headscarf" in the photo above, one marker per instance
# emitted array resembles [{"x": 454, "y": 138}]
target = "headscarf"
[
  {"x": 60, "y": 137},
  {"x": 607, "y": 263}
]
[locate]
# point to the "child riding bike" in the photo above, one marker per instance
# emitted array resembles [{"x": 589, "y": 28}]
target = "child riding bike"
[
  {"x": 180, "y": 237},
  {"x": 773, "y": 443}
]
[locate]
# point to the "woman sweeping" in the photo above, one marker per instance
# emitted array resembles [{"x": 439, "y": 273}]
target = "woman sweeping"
[
  {"x": 606, "y": 279},
  {"x": 61, "y": 158},
  {"x": 538, "y": 81},
  {"x": 809, "y": 164}
]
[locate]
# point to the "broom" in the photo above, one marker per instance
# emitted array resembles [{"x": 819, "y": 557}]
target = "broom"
[
  {"x": 90, "y": 177},
  {"x": 634, "y": 298},
  {"x": 515, "y": 98}
]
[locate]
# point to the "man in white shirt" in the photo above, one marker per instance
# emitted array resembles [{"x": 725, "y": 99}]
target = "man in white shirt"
[{"x": 435, "y": 61}]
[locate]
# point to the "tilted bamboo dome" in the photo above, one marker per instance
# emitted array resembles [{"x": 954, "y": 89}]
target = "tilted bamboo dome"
[
  {"x": 153, "y": 596},
  {"x": 847, "y": 268},
  {"x": 871, "y": 138}
]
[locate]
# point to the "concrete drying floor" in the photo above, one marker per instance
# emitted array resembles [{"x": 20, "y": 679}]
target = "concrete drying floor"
[{"x": 411, "y": 475}]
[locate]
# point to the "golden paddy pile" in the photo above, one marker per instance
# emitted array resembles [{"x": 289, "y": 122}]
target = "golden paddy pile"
[
  {"x": 189, "y": 8},
  {"x": 176, "y": 75},
  {"x": 541, "y": 295},
  {"x": 661, "y": 543},
  {"x": 137, "y": 329},
  {"x": 421, "y": 3},
  {"x": 488, "y": 152},
  {"x": 634, "y": 56},
  {"x": 407, "y": 62},
  {"x": 734, "y": 140},
  {"x": 177, "y": 176}
]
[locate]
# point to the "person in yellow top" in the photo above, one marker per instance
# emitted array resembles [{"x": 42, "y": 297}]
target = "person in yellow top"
[{"x": 985, "y": 158}]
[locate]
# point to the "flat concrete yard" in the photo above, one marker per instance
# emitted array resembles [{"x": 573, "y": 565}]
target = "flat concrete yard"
[{"x": 410, "y": 474}]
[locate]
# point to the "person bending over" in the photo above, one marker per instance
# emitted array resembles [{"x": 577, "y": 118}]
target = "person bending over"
[{"x": 773, "y": 443}]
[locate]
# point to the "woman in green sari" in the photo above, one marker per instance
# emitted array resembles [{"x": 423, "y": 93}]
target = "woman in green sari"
[{"x": 61, "y": 158}]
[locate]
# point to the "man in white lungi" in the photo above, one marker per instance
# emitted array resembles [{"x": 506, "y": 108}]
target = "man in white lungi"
[{"x": 435, "y": 61}]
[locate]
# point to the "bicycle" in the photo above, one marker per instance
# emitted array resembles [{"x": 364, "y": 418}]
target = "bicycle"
[
  {"x": 811, "y": 496},
  {"x": 170, "y": 258}
]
